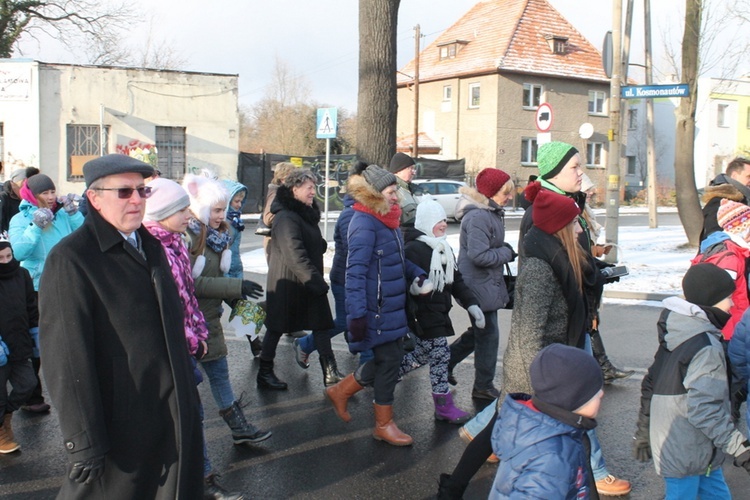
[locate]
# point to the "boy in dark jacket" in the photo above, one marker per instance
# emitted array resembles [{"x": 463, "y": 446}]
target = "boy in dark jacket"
[
  {"x": 18, "y": 322},
  {"x": 541, "y": 439},
  {"x": 685, "y": 418}
]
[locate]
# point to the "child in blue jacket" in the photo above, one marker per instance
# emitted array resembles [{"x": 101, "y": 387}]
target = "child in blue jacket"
[{"x": 541, "y": 439}]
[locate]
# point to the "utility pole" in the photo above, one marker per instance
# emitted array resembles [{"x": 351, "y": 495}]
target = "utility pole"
[
  {"x": 650, "y": 143},
  {"x": 613, "y": 158},
  {"x": 415, "y": 144}
]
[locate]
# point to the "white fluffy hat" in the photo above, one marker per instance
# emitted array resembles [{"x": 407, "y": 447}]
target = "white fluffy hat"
[
  {"x": 204, "y": 191},
  {"x": 429, "y": 213}
]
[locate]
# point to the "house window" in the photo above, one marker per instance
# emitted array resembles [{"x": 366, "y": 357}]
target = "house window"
[
  {"x": 596, "y": 102},
  {"x": 631, "y": 165},
  {"x": 448, "y": 51},
  {"x": 632, "y": 119},
  {"x": 528, "y": 151},
  {"x": 447, "y": 92},
  {"x": 532, "y": 95},
  {"x": 84, "y": 144},
  {"x": 721, "y": 115},
  {"x": 594, "y": 154},
  {"x": 474, "y": 89},
  {"x": 170, "y": 144},
  {"x": 558, "y": 44}
]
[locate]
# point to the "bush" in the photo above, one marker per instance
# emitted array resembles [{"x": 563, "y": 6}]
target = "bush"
[{"x": 665, "y": 197}]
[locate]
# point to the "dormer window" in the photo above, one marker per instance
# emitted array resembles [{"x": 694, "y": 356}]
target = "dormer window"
[
  {"x": 557, "y": 44},
  {"x": 448, "y": 50}
]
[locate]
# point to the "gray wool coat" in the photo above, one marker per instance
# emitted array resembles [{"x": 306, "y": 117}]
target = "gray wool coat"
[{"x": 540, "y": 318}]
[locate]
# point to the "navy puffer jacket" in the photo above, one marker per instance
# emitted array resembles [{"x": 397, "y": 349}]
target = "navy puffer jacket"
[
  {"x": 340, "y": 232},
  {"x": 378, "y": 274}
]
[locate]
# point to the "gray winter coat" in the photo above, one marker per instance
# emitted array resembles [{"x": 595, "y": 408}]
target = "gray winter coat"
[
  {"x": 482, "y": 254},
  {"x": 540, "y": 318},
  {"x": 690, "y": 423}
]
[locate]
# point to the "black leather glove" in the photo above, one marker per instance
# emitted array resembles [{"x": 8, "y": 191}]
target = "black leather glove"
[
  {"x": 357, "y": 329},
  {"x": 744, "y": 459},
  {"x": 641, "y": 442},
  {"x": 513, "y": 253},
  {"x": 87, "y": 471},
  {"x": 251, "y": 289}
]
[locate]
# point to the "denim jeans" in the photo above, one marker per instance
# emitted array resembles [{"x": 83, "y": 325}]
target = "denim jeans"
[
  {"x": 598, "y": 466},
  {"x": 481, "y": 420},
  {"x": 218, "y": 377},
  {"x": 307, "y": 343},
  {"x": 382, "y": 372},
  {"x": 484, "y": 343},
  {"x": 707, "y": 487},
  {"x": 206, "y": 461}
]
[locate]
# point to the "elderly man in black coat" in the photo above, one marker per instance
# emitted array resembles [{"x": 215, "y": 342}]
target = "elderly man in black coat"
[{"x": 116, "y": 361}]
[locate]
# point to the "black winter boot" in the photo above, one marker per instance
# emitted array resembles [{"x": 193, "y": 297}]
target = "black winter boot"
[
  {"x": 331, "y": 374},
  {"x": 610, "y": 371},
  {"x": 214, "y": 491},
  {"x": 450, "y": 489},
  {"x": 242, "y": 430},
  {"x": 267, "y": 379},
  {"x": 256, "y": 345}
]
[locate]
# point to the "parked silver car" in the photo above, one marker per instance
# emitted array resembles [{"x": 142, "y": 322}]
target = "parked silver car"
[{"x": 444, "y": 191}]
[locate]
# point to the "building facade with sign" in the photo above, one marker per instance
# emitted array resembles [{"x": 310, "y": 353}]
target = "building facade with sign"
[
  {"x": 483, "y": 79},
  {"x": 58, "y": 116}
]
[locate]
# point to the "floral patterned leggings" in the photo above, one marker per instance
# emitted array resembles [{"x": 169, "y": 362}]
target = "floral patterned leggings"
[{"x": 435, "y": 352}]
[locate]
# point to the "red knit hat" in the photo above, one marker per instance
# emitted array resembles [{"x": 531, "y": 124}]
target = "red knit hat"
[
  {"x": 551, "y": 211},
  {"x": 490, "y": 180}
]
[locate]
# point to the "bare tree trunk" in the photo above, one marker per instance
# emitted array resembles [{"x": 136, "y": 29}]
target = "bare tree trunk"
[
  {"x": 376, "y": 104},
  {"x": 688, "y": 205}
]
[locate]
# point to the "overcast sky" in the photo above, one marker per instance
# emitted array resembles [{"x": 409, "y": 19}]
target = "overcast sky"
[{"x": 319, "y": 39}]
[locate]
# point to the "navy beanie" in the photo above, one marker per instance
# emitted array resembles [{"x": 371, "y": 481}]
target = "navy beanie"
[{"x": 565, "y": 376}]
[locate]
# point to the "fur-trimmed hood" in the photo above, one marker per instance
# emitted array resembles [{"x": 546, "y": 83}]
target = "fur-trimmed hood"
[
  {"x": 285, "y": 200},
  {"x": 727, "y": 191},
  {"x": 362, "y": 192},
  {"x": 472, "y": 199}
]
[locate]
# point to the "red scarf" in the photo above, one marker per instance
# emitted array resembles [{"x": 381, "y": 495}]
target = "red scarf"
[{"x": 392, "y": 219}]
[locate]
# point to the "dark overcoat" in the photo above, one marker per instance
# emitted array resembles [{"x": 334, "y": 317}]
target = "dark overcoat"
[
  {"x": 117, "y": 367},
  {"x": 297, "y": 296}
]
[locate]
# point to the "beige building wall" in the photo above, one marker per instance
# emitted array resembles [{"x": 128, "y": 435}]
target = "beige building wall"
[{"x": 491, "y": 135}]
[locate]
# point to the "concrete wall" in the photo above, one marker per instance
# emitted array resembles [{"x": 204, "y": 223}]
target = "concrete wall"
[{"x": 134, "y": 102}]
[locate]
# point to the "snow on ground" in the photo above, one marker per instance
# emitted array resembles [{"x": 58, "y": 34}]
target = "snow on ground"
[{"x": 656, "y": 258}]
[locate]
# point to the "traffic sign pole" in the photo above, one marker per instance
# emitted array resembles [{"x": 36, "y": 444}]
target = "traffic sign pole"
[
  {"x": 326, "y": 129},
  {"x": 325, "y": 203}
]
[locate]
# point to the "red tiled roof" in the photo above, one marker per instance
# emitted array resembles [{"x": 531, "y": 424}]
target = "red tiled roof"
[
  {"x": 426, "y": 144},
  {"x": 509, "y": 36}
]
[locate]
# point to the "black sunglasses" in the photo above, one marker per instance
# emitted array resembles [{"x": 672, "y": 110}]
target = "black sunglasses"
[{"x": 125, "y": 193}]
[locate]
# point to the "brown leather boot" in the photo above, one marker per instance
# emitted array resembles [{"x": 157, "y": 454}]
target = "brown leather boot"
[
  {"x": 340, "y": 393},
  {"x": 385, "y": 428},
  {"x": 7, "y": 444}
]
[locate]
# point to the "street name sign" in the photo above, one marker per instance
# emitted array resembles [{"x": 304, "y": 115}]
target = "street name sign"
[{"x": 653, "y": 91}]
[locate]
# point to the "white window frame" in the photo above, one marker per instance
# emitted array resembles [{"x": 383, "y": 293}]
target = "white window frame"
[
  {"x": 528, "y": 151},
  {"x": 533, "y": 95},
  {"x": 478, "y": 87},
  {"x": 599, "y": 100},
  {"x": 595, "y": 154},
  {"x": 447, "y": 93}
]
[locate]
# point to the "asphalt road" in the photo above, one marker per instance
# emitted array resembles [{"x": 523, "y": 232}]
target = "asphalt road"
[{"x": 312, "y": 454}]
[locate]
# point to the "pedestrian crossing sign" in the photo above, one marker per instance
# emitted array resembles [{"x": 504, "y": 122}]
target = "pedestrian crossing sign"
[{"x": 326, "y": 123}]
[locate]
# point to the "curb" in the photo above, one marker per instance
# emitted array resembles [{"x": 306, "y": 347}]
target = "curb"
[{"x": 622, "y": 294}]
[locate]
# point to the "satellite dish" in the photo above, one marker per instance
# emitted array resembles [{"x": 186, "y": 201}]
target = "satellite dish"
[{"x": 586, "y": 130}]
